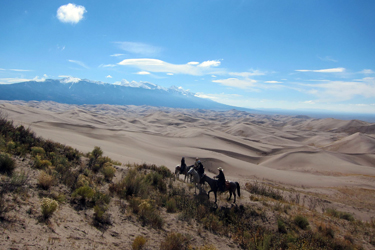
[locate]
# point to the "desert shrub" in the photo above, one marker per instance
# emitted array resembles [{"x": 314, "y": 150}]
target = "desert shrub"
[
  {"x": 171, "y": 206},
  {"x": 97, "y": 152},
  {"x": 82, "y": 181},
  {"x": 7, "y": 164},
  {"x": 37, "y": 151},
  {"x": 281, "y": 226},
  {"x": 11, "y": 146},
  {"x": 139, "y": 243},
  {"x": 301, "y": 222},
  {"x": 174, "y": 241},
  {"x": 212, "y": 223},
  {"x": 108, "y": 172},
  {"x": 49, "y": 206},
  {"x": 339, "y": 214},
  {"x": 134, "y": 185},
  {"x": 45, "y": 180},
  {"x": 101, "y": 198},
  {"x": 59, "y": 197},
  {"x": 100, "y": 215},
  {"x": 164, "y": 171},
  {"x": 156, "y": 180},
  {"x": 41, "y": 164},
  {"x": 149, "y": 215},
  {"x": 85, "y": 193}
]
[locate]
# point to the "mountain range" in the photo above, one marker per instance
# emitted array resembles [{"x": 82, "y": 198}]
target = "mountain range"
[{"x": 77, "y": 91}]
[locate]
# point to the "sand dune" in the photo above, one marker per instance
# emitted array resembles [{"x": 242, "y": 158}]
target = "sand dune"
[{"x": 291, "y": 150}]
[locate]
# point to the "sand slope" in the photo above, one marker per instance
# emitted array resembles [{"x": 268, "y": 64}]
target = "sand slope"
[{"x": 291, "y": 150}]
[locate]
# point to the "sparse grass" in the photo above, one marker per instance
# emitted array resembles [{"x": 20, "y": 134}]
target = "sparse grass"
[
  {"x": 339, "y": 214},
  {"x": 261, "y": 189}
]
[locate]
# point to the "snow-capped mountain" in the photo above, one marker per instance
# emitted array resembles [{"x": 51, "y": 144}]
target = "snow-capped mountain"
[{"x": 76, "y": 91}]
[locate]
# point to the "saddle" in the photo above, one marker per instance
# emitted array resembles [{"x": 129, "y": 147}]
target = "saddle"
[{"x": 227, "y": 184}]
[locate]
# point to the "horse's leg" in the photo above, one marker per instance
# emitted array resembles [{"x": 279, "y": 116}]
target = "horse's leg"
[
  {"x": 215, "y": 192},
  {"x": 234, "y": 194}
]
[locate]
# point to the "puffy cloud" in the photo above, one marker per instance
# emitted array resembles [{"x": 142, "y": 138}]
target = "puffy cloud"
[
  {"x": 156, "y": 65},
  {"x": 213, "y": 63},
  {"x": 237, "y": 83},
  {"x": 333, "y": 70},
  {"x": 143, "y": 73},
  {"x": 193, "y": 63},
  {"x": 70, "y": 13},
  {"x": 108, "y": 76},
  {"x": 69, "y": 79},
  {"x": 139, "y": 48},
  {"x": 272, "y": 82},
  {"x": 367, "y": 71}
]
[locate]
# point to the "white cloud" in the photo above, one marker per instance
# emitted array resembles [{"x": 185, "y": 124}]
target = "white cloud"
[
  {"x": 336, "y": 91},
  {"x": 213, "y": 63},
  {"x": 17, "y": 80},
  {"x": 18, "y": 70},
  {"x": 237, "y": 83},
  {"x": 156, "y": 65},
  {"x": 45, "y": 76},
  {"x": 69, "y": 79},
  {"x": 170, "y": 74},
  {"x": 107, "y": 65},
  {"x": 70, "y": 13},
  {"x": 79, "y": 63},
  {"x": 193, "y": 63},
  {"x": 367, "y": 71},
  {"x": 333, "y": 70},
  {"x": 309, "y": 102},
  {"x": 117, "y": 55},
  {"x": 272, "y": 82},
  {"x": 108, "y": 76},
  {"x": 139, "y": 48},
  {"x": 248, "y": 73},
  {"x": 143, "y": 73}
]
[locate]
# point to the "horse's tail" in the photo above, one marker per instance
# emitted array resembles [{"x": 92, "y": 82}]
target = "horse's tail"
[{"x": 238, "y": 189}]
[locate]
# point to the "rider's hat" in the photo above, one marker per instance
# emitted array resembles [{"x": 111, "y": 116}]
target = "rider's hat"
[{"x": 220, "y": 169}]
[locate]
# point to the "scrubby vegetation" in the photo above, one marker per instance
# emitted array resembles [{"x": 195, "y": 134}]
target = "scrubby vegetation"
[{"x": 146, "y": 191}]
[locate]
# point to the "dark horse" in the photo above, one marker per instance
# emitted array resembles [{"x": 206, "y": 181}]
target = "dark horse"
[{"x": 229, "y": 186}]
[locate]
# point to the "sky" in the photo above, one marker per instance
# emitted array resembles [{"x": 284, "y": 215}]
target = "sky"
[{"x": 287, "y": 54}]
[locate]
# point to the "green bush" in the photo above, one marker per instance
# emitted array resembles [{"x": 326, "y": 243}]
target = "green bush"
[
  {"x": 49, "y": 206},
  {"x": 281, "y": 226},
  {"x": 108, "y": 172},
  {"x": 7, "y": 164},
  {"x": 37, "y": 151},
  {"x": 171, "y": 206},
  {"x": 86, "y": 193},
  {"x": 301, "y": 222}
]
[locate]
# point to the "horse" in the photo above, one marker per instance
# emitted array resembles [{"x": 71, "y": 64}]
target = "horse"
[
  {"x": 229, "y": 186},
  {"x": 185, "y": 172},
  {"x": 196, "y": 179}
]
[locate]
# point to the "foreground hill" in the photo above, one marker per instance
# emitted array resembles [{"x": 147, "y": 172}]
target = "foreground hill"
[{"x": 54, "y": 197}]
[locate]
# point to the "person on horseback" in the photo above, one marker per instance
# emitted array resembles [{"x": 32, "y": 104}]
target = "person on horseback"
[
  {"x": 183, "y": 165},
  {"x": 221, "y": 179},
  {"x": 199, "y": 167}
]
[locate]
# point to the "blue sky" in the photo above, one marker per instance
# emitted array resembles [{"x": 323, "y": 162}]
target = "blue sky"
[{"x": 310, "y": 54}]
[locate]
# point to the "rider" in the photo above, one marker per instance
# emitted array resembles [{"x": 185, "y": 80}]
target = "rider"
[
  {"x": 183, "y": 165},
  {"x": 221, "y": 181},
  {"x": 199, "y": 167}
]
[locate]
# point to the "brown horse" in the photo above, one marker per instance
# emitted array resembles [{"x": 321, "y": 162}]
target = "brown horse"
[{"x": 230, "y": 186}]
